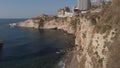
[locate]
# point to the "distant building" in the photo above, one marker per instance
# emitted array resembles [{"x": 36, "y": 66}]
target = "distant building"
[
  {"x": 100, "y": 3},
  {"x": 65, "y": 12},
  {"x": 84, "y": 5},
  {"x": 96, "y": 2}
]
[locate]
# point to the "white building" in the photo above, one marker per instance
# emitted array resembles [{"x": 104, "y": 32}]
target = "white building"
[
  {"x": 84, "y": 5},
  {"x": 66, "y": 14}
]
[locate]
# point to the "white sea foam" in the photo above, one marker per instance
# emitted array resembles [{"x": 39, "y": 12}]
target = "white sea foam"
[{"x": 61, "y": 64}]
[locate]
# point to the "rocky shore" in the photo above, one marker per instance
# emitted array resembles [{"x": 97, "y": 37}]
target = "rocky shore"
[{"x": 97, "y": 36}]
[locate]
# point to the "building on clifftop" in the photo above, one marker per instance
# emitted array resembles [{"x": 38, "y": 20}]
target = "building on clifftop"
[
  {"x": 84, "y": 5},
  {"x": 65, "y": 12}
]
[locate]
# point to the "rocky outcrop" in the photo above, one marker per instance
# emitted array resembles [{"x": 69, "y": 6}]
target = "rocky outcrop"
[
  {"x": 49, "y": 22},
  {"x": 1, "y": 44},
  {"x": 97, "y": 37}
]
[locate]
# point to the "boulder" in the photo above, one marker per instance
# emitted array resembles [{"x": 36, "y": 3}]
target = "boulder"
[{"x": 1, "y": 44}]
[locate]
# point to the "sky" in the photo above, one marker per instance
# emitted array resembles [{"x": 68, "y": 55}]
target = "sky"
[{"x": 32, "y": 8}]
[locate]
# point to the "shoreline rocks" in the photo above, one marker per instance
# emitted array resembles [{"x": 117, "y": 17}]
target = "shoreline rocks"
[
  {"x": 1, "y": 44},
  {"x": 13, "y": 25}
]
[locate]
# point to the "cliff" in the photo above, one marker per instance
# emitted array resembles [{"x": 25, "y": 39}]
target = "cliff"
[
  {"x": 97, "y": 36},
  {"x": 97, "y": 40},
  {"x": 49, "y": 22}
]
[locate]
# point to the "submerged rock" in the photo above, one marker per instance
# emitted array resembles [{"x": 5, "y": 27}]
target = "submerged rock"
[{"x": 1, "y": 44}]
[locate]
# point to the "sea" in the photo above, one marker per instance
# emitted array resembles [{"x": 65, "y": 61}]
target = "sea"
[{"x": 32, "y": 48}]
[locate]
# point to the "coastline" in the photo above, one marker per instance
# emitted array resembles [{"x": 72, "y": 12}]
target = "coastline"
[{"x": 97, "y": 37}]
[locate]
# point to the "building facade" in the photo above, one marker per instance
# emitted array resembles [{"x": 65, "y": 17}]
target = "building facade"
[{"x": 84, "y": 5}]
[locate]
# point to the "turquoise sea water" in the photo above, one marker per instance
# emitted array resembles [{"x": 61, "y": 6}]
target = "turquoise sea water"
[{"x": 31, "y": 48}]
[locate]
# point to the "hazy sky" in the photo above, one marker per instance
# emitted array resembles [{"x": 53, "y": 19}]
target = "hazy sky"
[{"x": 31, "y": 8}]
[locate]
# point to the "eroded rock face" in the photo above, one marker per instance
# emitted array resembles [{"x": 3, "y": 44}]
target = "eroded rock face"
[
  {"x": 47, "y": 22},
  {"x": 92, "y": 50}
]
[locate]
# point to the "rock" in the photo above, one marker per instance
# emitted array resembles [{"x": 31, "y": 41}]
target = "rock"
[
  {"x": 12, "y": 25},
  {"x": 1, "y": 44},
  {"x": 57, "y": 52}
]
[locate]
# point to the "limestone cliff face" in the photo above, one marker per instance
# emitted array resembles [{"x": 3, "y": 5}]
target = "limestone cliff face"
[
  {"x": 29, "y": 23},
  {"x": 47, "y": 22},
  {"x": 97, "y": 42},
  {"x": 92, "y": 45}
]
